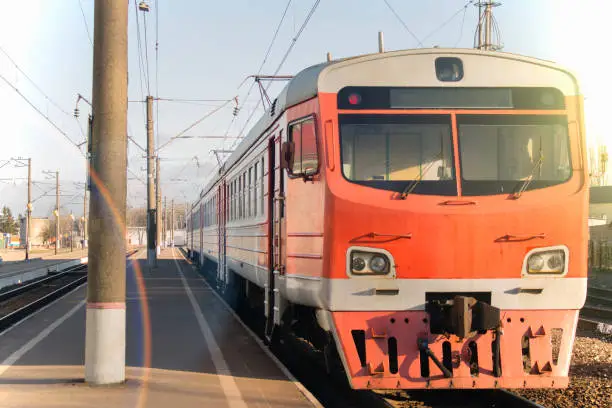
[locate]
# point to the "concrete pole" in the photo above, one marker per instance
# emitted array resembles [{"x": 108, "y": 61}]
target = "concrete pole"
[
  {"x": 28, "y": 212},
  {"x": 158, "y": 213},
  {"x": 165, "y": 222},
  {"x": 151, "y": 256},
  {"x": 172, "y": 224},
  {"x": 85, "y": 216},
  {"x": 57, "y": 212},
  {"x": 381, "y": 42},
  {"x": 105, "y": 322}
]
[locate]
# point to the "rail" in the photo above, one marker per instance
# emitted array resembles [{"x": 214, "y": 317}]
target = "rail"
[
  {"x": 15, "y": 315},
  {"x": 6, "y": 295}
]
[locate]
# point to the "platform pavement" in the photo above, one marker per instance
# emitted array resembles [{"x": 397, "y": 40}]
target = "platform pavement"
[{"x": 184, "y": 348}]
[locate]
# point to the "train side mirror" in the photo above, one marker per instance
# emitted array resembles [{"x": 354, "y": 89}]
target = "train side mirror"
[{"x": 287, "y": 155}]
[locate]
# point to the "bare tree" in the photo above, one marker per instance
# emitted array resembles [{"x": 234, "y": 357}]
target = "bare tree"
[{"x": 136, "y": 217}]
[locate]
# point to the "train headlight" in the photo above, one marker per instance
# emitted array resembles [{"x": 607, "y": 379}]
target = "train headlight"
[
  {"x": 556, "y": 261},
  {"x": 535, "y": 263},
  {"x": 547, "y": 262},
  {"x": 369, "y": 263},
  {"x": 378, "y": 264},
  {"x": 358, "y": 263}
]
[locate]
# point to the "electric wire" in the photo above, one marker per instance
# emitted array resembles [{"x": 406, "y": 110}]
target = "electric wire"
[
  {"x": 461, "y": 29},
  {"x": 41, "y": 113},
  {"x": 447, "y": 21},
  {"x": 403, "y": 23},
  {"x": 279, "y": 25},
  {"x": 140, "y": 59},
  {"x": 197, "y": 122},
  {"x": 51, "y": 101},
  {"x": 85, "y": 21},
  {"x": 146, "y": 49},
  {"x": 280, "y": 65}
]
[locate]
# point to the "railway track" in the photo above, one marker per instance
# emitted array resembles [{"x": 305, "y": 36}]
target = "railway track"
[
  {"x": 458, "y": 399},
  {"x": 332, "y": 390},
  {"x": 18, "y": 303}
]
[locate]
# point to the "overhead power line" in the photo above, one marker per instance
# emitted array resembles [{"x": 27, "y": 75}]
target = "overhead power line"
[
  {"x": 282, "y": 62},
  {"x": 131, "y": 139},
  {"x": 85, "y": 21},
  {"x": 297, "y": 36},
  {"x": 263, "y": 62},
  {"x": 136, "y": 176},
  {"x": 146, "y": 48},
  {"x": 141, "y": 73},
  {"x": 192, "y": 100},
  {"x": 51, "y": 101},
  {"x": 41, "y": 113},
  {"x": 280, "y": 23},
  {"x": 197, "y": 122},
  {"x": 451, "y": 18},
  {"x": 461, "y": 29},
  {"x": 403, "y": 23}
]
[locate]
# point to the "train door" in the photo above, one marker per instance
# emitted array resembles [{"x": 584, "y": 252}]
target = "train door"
[
  {"x": 276, "y": 242},
  {"x": 191, "y": 248},
  {"x": 221, "y": 232}
]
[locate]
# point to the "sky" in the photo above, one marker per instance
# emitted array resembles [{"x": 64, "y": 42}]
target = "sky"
[{"x": 206, "y": 49}]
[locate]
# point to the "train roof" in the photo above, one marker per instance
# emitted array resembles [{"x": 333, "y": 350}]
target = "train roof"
[{"x": 308, "y": 82}]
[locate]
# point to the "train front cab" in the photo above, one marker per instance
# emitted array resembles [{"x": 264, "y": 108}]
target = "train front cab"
[{"x": 455, "y": 219}]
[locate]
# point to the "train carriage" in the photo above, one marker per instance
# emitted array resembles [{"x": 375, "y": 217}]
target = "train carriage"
[{"x": 422, "y": 212}]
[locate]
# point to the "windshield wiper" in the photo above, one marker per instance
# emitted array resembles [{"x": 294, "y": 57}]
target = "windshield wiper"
[
  {"x": 412, "y": 185},
  {"x": 527, "y": 181}
]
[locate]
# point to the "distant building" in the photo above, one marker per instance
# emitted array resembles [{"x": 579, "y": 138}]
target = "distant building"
[{"x": 38, "y": 225}]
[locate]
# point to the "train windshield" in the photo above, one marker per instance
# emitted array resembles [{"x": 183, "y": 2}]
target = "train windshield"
[
  {"x": 393, "y": 152},
  {"x": 500, "y": 153}
]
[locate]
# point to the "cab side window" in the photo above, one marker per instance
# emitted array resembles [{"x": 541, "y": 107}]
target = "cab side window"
[{"x": 305, "y": 154}]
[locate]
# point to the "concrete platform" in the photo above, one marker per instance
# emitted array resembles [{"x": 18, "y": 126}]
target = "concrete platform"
[
  {"x": 21, "y": 272},
  {"x": 184, "y": 348}
]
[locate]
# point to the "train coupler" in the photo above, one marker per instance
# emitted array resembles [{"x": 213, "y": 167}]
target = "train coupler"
[{"x": 462, "y": 316}]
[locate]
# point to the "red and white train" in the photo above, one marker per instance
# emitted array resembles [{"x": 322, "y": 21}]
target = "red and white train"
[{"x": 422, "y": 211}]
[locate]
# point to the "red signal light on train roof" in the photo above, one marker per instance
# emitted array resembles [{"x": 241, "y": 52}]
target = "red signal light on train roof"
[{"x": 354, "y": 99}]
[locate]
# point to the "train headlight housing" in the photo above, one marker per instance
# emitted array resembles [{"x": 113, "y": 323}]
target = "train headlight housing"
[
  {"x": 369, "y": 263},
  {"x": 553, "y": 261}
]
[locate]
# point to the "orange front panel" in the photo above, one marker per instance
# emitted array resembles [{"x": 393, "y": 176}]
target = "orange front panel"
[
  {"x": 460, "y": 242},
  {"x": 462, "y": 237}
]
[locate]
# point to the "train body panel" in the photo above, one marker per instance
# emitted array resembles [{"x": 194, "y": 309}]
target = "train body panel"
[{"x": 420, "y": 218}]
